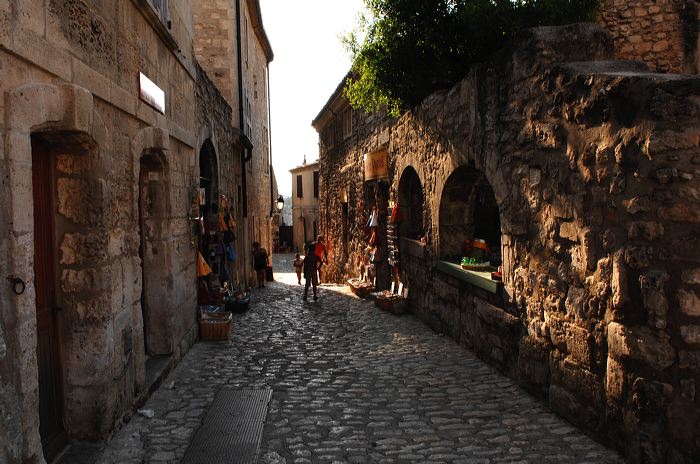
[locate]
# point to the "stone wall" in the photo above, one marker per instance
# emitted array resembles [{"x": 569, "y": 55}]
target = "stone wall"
[
  {"x": 124, "y": 180},
  {"x": 661, "y": 33},
  {"x": 594, "y": 170}
]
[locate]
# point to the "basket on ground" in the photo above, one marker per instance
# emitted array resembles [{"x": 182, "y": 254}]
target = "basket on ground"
[{"x": 215, "y": 326}]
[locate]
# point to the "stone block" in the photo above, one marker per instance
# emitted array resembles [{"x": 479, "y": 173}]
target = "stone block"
[
  {"x": 642, "y": 346},
  {"x": 569, "y": 231},
  {"x": 680, "y": 212},
  {"x": 691, "y": 334},
  {"x": 570, "y": 338},
  {"x": 645, "y": 230},
  {"x": 691, "y": 276},
  {"x": 689, "y": 302},
  {"x": 637, "y": 204},
  {"x": 620, "y": 285},
  {"x": 653, "y": 285},
  {"x": 638, "y": 257}
]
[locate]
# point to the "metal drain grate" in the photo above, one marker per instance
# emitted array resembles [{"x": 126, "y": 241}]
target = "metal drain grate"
[{"x": 232, "y": 430}]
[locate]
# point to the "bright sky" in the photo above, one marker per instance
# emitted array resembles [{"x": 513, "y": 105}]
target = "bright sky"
[{"x": 309, "y": 64}]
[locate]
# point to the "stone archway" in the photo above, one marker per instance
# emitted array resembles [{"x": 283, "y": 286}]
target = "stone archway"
[
  {"x": 63, "y": 115},
  {"x": 468, "y": 210},
  {"x": 411, "y": 205},
  {"x": 152, "y": 317}
]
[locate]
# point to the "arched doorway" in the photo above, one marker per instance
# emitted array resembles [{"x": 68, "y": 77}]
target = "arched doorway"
[
  {"x": 411, "y": 205},
  {"x": 153, "y": 215},
  {"x": 468, "y": 211}
]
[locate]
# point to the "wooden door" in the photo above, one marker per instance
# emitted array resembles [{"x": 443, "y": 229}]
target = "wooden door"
[{"x": 53, "y": 436}]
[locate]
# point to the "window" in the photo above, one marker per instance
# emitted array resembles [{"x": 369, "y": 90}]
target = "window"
[
  {"x": 255, "y": 87},
  {"x": 245, "y": 39},
  {"x": 247, "y": 115},
  {"x": 300, "y": 189},
  {"x": 162, "y": 10},
  {"x": 347, "y": 123},
  {"x": 315, "y": 184}
]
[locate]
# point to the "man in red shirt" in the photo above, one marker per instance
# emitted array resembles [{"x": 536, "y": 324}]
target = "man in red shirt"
[{"x": 321, "y": 252}]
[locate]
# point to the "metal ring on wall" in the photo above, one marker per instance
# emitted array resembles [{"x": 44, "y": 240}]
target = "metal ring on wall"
[{"x": 18, "y": 285}]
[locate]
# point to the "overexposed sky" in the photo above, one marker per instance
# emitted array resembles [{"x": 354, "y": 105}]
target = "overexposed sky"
[{"x": 309, "y": 64}]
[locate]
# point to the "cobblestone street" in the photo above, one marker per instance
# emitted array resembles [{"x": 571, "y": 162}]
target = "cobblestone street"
[{"x": 351, "y": 384}]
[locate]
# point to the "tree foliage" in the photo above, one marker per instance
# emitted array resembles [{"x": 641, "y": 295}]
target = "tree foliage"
[{"x": 413, "y": 47}]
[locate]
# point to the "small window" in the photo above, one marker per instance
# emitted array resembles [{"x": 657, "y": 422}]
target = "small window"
[
  {"x": 300, "y": 189},
  {"x": 245, "y": 39},
  {"x": 315, "y": 184}
]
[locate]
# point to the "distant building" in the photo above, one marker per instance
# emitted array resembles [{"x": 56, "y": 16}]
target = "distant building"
[{"x": 304, "y": 204}]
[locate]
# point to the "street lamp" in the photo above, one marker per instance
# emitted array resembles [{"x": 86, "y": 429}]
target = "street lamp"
[{"x": 280, "y": 203}]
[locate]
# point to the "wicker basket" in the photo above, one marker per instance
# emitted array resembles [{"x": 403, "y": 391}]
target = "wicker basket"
[{"x": 215, "y": 326}]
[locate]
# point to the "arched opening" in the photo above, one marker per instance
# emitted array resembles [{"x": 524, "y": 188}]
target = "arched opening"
[
  {"x": 468, "y": 211},
  {"x": 153, "y": 208},
  {"x": 411, "y": 205}
]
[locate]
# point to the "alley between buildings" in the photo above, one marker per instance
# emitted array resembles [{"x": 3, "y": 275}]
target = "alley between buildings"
[{"x": 350, "y": 383}]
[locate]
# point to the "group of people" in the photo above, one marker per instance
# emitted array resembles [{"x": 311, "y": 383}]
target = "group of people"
[{"x": 316, "y": 256}]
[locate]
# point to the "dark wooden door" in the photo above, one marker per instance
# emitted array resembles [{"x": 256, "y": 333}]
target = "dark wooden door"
[{"x": 53, "y": 436}]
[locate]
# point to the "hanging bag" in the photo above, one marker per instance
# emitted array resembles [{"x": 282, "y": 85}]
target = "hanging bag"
[{"x": 231, "y": 253}]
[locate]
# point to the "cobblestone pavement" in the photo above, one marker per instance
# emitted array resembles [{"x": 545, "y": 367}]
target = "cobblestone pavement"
[{"x": 352, "y": 384}]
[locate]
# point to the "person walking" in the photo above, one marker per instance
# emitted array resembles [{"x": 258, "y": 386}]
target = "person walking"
[
  {"x": 321, "y": 252},
  {"x": 312, "y": 264},
  {"x": 298, "y": 266},
  {"x": 260, "y": 263}
]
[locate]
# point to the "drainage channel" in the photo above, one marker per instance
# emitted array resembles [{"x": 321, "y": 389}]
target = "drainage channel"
[{"x": 232, "y": 430}]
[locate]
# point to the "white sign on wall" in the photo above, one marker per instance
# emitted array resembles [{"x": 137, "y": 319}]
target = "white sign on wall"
[{"x": 151, "y": 93}]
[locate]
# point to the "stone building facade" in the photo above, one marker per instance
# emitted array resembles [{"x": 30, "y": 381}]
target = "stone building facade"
[
  {"x": 99, "y": 196},
  {"x": 232, "y": 46},
  {"x": 662, "y": 33},
  {"x": 581, "y": 172},
  {"x": 305, "y": 192}
]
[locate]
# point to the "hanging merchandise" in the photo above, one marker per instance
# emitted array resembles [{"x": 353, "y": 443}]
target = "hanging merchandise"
[
  {"x": 223, "y": 201},
  {"x": 373, "y": 237},
  {"x": 228, "y": 237},
  {"x": 231, "y": 253},
  {"x": 220, "y": 249},
  {"x": 203, "y": 268},
  {"x": 374, "y": 218},
  {"x": 201, "y": 197},
  {"x": 222, "y": 223},
  {"x": 395, "y": 213}
]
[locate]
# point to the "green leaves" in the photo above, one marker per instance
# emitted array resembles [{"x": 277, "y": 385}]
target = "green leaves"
[{"x": 414, "y": 47}]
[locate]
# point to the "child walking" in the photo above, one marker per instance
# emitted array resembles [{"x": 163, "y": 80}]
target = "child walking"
[
  {"x": 312, "y": 263},
  {"x": 298, "y": 265}
]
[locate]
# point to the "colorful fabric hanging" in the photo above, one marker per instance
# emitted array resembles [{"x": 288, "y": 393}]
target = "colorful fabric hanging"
[
  {"x": 203, "y": 268},
  {"x": 395, "y": 213},
  {"x": 222, "y": 223}
]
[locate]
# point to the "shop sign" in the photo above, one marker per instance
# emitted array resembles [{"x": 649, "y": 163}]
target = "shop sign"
[
  {"x": 151, "y": 93},
  {"x": 376, "y": 165}
]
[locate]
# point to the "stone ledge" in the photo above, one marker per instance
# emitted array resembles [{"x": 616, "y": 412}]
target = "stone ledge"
[
  {"x": 414, "y": 248},
  {"x": 478, "y": 279}
]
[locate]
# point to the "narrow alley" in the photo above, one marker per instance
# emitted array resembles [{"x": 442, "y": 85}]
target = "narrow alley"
[{"x": 353, "y": 384}]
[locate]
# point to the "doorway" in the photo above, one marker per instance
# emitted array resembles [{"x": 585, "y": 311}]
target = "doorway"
[
  {"x": 153, "y": 251},
  {"x": 51, "y": 399}
]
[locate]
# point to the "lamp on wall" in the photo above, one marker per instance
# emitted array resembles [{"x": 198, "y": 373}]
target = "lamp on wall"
[
  {"x": 280, "y": 203},
  {"x": 344, "y": 195}
]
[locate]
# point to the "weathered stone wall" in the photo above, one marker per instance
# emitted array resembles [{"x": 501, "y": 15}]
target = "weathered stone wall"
[
  {"x": 662, "y": 33},
  {"x": 213, "y": 116},
  {"x": 68, "y": 77},
  {"x": 594, "y": 166}
]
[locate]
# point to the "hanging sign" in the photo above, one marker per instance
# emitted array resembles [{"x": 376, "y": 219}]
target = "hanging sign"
[
  {"x": 151, "y": 93},
  {"x": 376, "y": 165}
]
